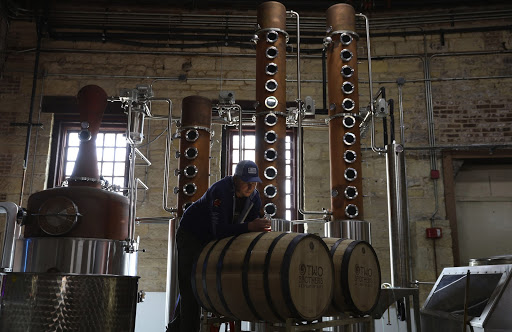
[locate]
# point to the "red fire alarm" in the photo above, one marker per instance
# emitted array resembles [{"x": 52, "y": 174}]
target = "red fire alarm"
[
  {"x": 434, "y": 174},
  {"x": 434, "y": 233}
]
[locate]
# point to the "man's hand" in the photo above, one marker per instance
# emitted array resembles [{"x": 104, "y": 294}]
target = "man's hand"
[{"x": 259, "y": 225}]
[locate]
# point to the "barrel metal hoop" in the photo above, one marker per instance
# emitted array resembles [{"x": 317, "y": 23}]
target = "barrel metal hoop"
[
  {"x": 335, "y": 246},
  {"x": 220, "y": 263},
  {"x": 245, "y": 276},
  {"x": 380, "y": 276},
  {"x": 203, "y": 279},
  {"x": 208, "y": 130},
  {"x": 352, "y": 33},
  {"x": 333, "y": 251},
  {"x": 265, "y": 277},
  {"x": 194, "y": 286},
  {"x": 285, "y": 273},
  {"x": 276, "y": 30}
]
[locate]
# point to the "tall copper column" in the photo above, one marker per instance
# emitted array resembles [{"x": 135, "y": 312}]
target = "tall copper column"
[
  {"x": 194, "y": 162},
  {"x": 344, "y": 134},
  {"x": 271, "y": 106}
]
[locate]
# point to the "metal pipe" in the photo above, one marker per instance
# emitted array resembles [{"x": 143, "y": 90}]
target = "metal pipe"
[
  {"x": 300, "y": 145},
  {"x": 37, "y": 136},
  {"x": 171, "y": 285},
  {"x": 397, "y": 215},
  {"x": 132, "y": 196},
  {"x": 167, "y": 153},
  {"x": 299, "y": 98},
  {"x": 31, "y": 110},
  {"x": 240, "y": 133},
  {"x": 143, "y": 157},
  {"x": 400, "y": 83},
  {"x": 372, "y": 108}
]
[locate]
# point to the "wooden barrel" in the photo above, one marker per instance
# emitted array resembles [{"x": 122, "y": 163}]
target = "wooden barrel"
[
  {"x": 357, "y": 276},
  {"x": 268, "y": 276}
]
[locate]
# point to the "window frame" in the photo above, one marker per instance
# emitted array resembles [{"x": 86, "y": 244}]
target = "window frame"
[
  {"x": 66, "y": 123},
  {"x": 228, "y": 134}
]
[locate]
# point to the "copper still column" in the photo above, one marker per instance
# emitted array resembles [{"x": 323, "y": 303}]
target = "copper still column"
[
  {"x": 271, "y": 107},
  {"x": 194, "y": 157},
  {"x": 344, "y": 134},
  {"x": 193, "y": 179}
]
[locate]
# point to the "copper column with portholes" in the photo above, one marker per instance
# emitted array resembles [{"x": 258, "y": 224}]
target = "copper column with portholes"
[
  {"x": 344, "y": 134},
  {"x": 271, "y": 107},
  {"x": 194, "y": 156}
]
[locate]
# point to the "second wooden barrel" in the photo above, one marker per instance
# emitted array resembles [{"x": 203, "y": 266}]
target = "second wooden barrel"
[
  {"x": 357, "y": 276},
  {"x": 269, "y": 276}
]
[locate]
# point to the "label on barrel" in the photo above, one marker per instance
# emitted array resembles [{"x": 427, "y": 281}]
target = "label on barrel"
[
  {"x": 310, "y": 276},
  {"x": 363, "y": 276}
]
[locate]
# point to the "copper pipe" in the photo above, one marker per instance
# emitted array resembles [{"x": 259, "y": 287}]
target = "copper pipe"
[
  {"x": 341, "y": 51},
  {"x": 92, "y": 101},
  {"x": 196, "y": 120},
  {"x": 271, "y": 104}
]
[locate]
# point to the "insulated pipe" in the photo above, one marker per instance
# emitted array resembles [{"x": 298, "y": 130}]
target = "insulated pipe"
[
  {"x": 398, "y": 215},
  {"x": 345, "y": 157},
  {"x": 194, "y": 156},
  {"x": 271, "y": 105}
]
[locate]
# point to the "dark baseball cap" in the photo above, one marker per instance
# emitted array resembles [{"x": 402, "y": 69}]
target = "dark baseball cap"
[{"x": 247, "y": 170}]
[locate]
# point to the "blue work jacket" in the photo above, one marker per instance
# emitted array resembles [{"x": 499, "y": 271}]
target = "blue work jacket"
[{"x": 211, "y": 216}]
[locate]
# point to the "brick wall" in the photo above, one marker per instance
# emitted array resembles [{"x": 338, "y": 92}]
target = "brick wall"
[
  {"x": 465, "y": 111},
  {"x": 476, "y": 121}
]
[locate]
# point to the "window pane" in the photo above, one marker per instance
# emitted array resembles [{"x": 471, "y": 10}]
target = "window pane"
[
  {"x": 235, "y": 142},
  {"x": 121, "y": 140},
  {"x": 288, "y": 186},
  {"x": 73, "y": 139},
  {"x": 250, "y": 142},
  {"x": 288, "y": 170},
  {"x": 119, "y": 181},
  {"x": 235, "y": 156},
  {"x": 107, "y": 169},
  {"x": 119, "y": 169},
  {"x": 288, "y": 145},
  {"x": 250, "y": 155},
  {"x": 99, "y": 153},
  {"x": 72, "y": 154},
  {"x": 288, "y": 154},
  {"x": 120, "y": 154},
  {"x": 110, "y": 140},
  {"x": 69, "y": 168},
  {"x": 108, "y": 154},
  {"x": 99, "y": 139},
  {"x": 233, "y": 169},
  {"x": 288, "y": 201},
  {"x": 288, "y": 215}
]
